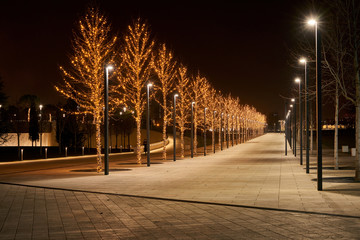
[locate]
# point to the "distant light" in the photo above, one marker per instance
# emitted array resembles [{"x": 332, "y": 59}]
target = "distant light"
[
  {"x": 121, "y": 113},
  {"x": 291, "y": 105},
  {"x": 124, "y": 109},
  {"x": 293, "y": 99},
  {"x": 312, "y": 22},
  {"x": 297, "y": 80},
  {"x": 41, "y": 106},
  {"x": 302, "y": 60}
]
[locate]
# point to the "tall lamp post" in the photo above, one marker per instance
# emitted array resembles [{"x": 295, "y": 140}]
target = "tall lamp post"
[
  {"x": 297, "y": 80},
  {"x": 221, "y": 128},
  {"x": 307, "y": 160},
  {"x": 41, "y": 107},
  {"x": 192, "y": 130},
  {"x": 291, "y": 142},
  {"x": 148, "y": 124},
  {"x": 205, "y": 131},
  {"x": 214, "y": 134},
  {"x": 285, "y": 123},
  {"x": 106, "y": 120},
  {"x": 232, "y": 128},
  {"x": 294, "y": 135},
  {"x": 314, "y": 23},
  {"x": 174, "y": 130},
  {"x": 227, "y": 132}
]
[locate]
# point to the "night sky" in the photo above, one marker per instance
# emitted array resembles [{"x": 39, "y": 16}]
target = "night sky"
[{"x": 242, "y": 47}]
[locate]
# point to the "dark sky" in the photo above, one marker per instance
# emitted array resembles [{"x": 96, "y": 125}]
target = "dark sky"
[{"x": 240, "y": 46}]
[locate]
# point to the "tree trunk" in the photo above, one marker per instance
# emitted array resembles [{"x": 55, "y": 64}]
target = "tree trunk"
[
  {"x": 18, "y": 140},
  {"x": 336, "y": 131},
  {"x": 98, "y": 141},
  {"x": 182, "y": 144},
  {"x": 164, "y": 138},
  {"x": 213, "y": 136},
  {"x": 220, "y": 132},
  {"x": 357, "y": 106},
  {"x": 138, "y": 140},
  {"x": 195, "y": 137}
]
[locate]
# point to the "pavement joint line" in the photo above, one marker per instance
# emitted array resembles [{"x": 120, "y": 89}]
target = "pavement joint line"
[{"x": 187, "y": 201}]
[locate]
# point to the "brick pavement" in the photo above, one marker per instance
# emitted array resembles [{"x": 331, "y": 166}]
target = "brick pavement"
[
  {"x": 250, "y": 191},
  {"x": 38, "y": 213}
]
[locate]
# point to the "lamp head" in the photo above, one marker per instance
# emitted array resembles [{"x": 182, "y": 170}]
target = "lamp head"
[
  {"x": 312, "y": 22},
  {"x": 192, "y": 103},
  {"x": 302, "y": 60},
  {"x": 109, "y": 67},
  {"x": 176, "y": 95},
  {"x": 149, "y": 85},
  {"x": 297, "y": 80}
]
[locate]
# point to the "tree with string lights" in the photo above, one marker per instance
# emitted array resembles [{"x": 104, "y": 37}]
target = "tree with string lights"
[
  {"x": 184, "y": 103},
  {"x": 164, "y": 66},
  {"x": 93, "y": 47},
  {"x": 197, "y": 84},
  {"x": 136, "y": 56}
]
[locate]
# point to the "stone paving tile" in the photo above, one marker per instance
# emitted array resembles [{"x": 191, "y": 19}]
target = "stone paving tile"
[{"x": 64, "y": 214}]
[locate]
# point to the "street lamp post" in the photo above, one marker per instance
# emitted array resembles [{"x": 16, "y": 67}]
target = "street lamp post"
[
  {"x": 294, "y": 135},
  {"x": 221, "y": 128},
  {"x": 285, "y": 123},
  {"x": 297, "y": 80},
  {"x": 192, "y": 130},
  {"x": 313, "y": 22},
  {"x": 205, "y": 131},
  {"x": 237, "y": 130},
  {"x": 303, "y": 60},
  {"x": 106, "y": 120},
  {"x": 148, "y": 125},
  {"x": 232, "y": 128},
  {"x": 227, "y": 132},
  {"x": 214, "y": 134},
  {"x": 290, "y": 129},
  {"x": 174, "y": 120},
  {"x": 41, "y": 107}
]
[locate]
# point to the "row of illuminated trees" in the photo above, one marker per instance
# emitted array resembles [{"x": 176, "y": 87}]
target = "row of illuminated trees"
[{"x": 129, "y": 66}]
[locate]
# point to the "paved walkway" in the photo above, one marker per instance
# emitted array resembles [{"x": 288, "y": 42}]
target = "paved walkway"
[{"x": 249, "y": 191}]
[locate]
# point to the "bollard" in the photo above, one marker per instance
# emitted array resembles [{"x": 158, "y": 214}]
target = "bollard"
[
  {"x": 65, "y": 151},
  {"x": 82, "y": 150},
  {"x": 109, "y": 149},
  {"x": 45, "y": 153},
  {"x": 121, "y": 148},
  {"x": 22, "y": 154}
]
